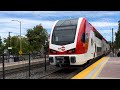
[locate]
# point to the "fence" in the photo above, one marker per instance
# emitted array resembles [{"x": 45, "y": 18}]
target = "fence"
[{"x": 12, "y": 62}]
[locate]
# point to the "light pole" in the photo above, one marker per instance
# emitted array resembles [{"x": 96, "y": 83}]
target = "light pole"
[
  {"x": 20, "y": 35},
  {"x": 112, "y": 42},
  {"x": 45, "y": 53}
]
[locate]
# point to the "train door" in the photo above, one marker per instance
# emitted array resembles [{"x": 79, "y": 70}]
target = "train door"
[
  {"x": 90, "y": 49},
  {"x": 91, "y": 46},
  {"x": 95, "y": 53},
  {"x": 87, "y": 42}
]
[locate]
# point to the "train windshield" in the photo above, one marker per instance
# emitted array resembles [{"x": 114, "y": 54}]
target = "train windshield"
[{"x": 63, "y": 35}]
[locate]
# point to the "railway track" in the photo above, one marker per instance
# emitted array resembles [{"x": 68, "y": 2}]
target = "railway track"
[
  {"x": 52, "y": 72},
  {"x": 23, "y": 69},
  {"x": 67, "y": 72},
  {"x": 60, "y": 74}
]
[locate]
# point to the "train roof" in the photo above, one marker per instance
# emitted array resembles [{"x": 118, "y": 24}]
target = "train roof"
[
  {"x": 74, "y": 21},
  {"x": 70, "y": 21},
  {"x": 67, "y": 22},
  {"x": 100, "y": 34}
]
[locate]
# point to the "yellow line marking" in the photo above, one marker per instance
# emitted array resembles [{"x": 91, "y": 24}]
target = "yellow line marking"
[
  {"x": 96, "y": 73},
  {"x": 85, "y": 72}
]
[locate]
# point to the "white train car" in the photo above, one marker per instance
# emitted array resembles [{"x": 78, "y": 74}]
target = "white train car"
[{"x": 74, "y": 42}]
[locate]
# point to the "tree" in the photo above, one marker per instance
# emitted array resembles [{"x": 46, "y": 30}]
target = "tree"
[
  {"x": 0, "y": 41},
  {"x": 34, "y": 42},
  {"x": 25, "y": 45},
  {"x": 1, "y": 46},
  {"x": 15, "y": 44},
  {"x": 117, "y": 39},
  {"x": 37, "y": 37}
]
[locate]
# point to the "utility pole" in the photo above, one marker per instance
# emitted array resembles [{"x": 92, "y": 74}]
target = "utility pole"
[
  {"x": 118, "y": 25},
  {"x": 9, "y": 46},
  {"x": 20, "y": 51},
  {"x": 9, "y": 39},
  {"x": 112, "y": 43}
]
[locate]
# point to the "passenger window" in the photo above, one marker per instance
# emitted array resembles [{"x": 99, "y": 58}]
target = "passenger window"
[
  {"x": 91, "y": 42},
  {"x": 84, "y": 38}
]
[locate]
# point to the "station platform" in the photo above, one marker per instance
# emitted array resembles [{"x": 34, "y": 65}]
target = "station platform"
[
  {"x": 107, "y": 67},
  {"x": 13, "y": 65}
]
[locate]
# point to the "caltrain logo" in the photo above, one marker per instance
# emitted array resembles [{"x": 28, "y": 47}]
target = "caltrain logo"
[{"x": 62, "y": 48}]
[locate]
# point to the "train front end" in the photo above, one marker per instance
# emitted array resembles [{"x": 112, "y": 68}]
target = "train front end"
[{"x": 63, "y": 40}]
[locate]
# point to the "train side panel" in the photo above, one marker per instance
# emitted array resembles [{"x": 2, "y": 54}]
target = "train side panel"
[{"x": 91, "y": 50}]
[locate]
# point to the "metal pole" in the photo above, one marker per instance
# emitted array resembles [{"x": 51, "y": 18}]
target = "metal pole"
[
  {"x": 29, "y": 64},
  {"x": 112, "y": 43},
  {"x": 3, "y": 68},
  {"x": 45, "y": 54},
  {"x": 9, "y": 46},
  {"x": 45, "y": 60},
  {"x": 20, "y": 36},
  {"x": 9, "y": 39}
]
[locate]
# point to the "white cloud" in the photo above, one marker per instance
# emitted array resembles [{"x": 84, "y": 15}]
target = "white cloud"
[
  {"x": 16, "y": 12},
  {"x": 52, "y": 14},
  {"x": 27, "y": 22},
  {"x": 6, "y": 25},
  {"x": 104, "y": 24},
  {"x": 107, "y": 34},
  {"x": 91, "y": 14},
  {"x": 99, "y": 19}
]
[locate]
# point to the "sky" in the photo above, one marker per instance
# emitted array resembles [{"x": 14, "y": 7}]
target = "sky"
[{"x": 103, "y": 21}]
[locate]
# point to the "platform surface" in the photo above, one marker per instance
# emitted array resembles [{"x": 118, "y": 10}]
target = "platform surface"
[
  {"x": 111, "y": 69},
  {"x": 107, "y": 67}
]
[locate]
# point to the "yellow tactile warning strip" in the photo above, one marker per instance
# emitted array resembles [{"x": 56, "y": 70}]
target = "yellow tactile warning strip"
[
  {"x": 85, "y": 72},
  {"x": 99, "y": 69}
]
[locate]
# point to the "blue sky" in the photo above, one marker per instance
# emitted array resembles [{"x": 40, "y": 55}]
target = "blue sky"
[{"x": 103, "y": 21}]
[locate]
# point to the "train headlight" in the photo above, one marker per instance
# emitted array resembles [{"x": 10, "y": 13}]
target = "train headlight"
[
  {"x": 51, "y": 59},
  {"x": 53, "y": 51},
  {"x": 71, "y": 51},
  {"x": 73, "y": 59}
]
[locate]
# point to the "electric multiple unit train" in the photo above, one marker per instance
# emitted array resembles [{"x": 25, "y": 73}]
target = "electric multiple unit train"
[{"x": 74, "y": 42}]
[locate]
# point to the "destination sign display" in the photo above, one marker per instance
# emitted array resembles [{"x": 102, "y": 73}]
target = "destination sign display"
[{"x": 65, "y": 27}]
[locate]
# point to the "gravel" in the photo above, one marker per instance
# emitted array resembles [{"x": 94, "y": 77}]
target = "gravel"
[{"x": 35, "y": 73}]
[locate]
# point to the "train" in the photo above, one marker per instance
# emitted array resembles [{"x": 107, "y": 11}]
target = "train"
[{"x": 75, "y": 42}]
